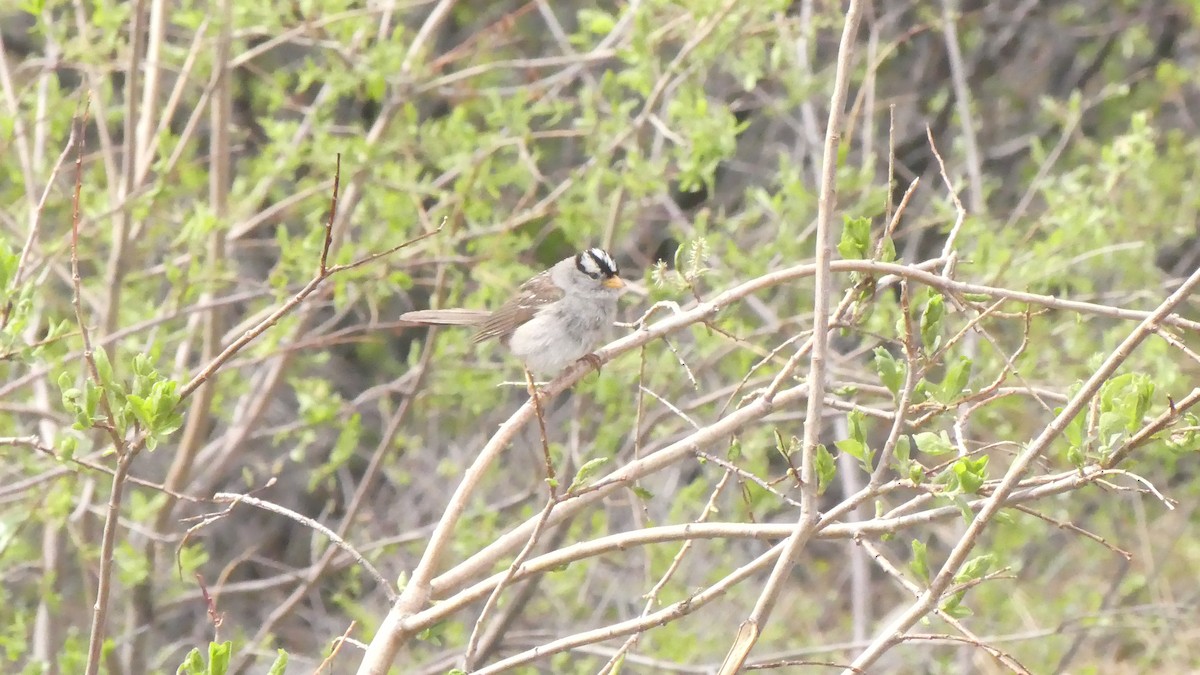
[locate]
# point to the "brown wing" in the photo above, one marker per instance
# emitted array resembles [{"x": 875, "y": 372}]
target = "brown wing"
[{"x": 531, "y": 297}]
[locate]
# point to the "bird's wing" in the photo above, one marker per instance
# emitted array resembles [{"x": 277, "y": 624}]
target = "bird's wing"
[{"x": 531, "y": 297}]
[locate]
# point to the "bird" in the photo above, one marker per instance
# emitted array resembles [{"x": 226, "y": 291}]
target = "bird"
[{"x": 555, "y": 318}]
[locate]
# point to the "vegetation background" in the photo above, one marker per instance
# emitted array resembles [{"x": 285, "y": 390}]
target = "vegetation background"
[{"x": 175, "y": 332}]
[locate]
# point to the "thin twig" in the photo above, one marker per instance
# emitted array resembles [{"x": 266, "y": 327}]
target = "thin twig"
[
  {"x": 234, "y": 499},
  {"x": 665, "y": 615},
  {"x": 751, "y": 628},
  {"x": 962, "y": 101},
  {"x": 337, "y": 647},
  {"x": 125, "y": 454}
]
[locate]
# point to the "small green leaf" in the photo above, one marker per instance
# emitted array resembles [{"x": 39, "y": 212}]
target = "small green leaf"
[
  {"x": 103, "y": 366},
  {"x": 72, "y": 398},
  {"x": 1075, "y": 456},
  {"x": 142, "y": 365},
  {"x": 920, "y": 560},
  {"x": 971, "y": 473},
  {"x": 932, "y": 443},
  {"x": 169, "y": 424},
  {"x": 857, "y": 421},
  {"x": 903, "y": 451},
  {"x": 67, "y": 445},
  {"x": 218, "y": 657},
  {"x": 931, "y": 322},
  {"x": 955, "y": 380},
  {"x": 856, "y": 238},
  {"x": 280, "y": 665},
  {"x": 975, "y": 568},
  {"x": 193, "y": 664},
  {"x": 856, "y": 450},
  {"x": 92, "y": 393},
  {"x": 916, "y": 473},
  {"x": 891, "y": 373},
  {"x": 165, "y": 397},
  {"x": 954, "y": 607},
  {"x": 785, "y": 448},
  {"x": 826, "y": 468},
  {"x": 586, "y": 471},
  {"x": 888, "y": 251},
  {"x": 642, "y": 493},
  {"x": 143, "y": 410}
]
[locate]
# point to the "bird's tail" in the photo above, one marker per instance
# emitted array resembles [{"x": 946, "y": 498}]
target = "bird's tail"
[{"x": 445, "y": 317}]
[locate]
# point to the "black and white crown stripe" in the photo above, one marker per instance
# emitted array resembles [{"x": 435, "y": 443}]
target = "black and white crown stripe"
[{"x": 596, "y": 263}]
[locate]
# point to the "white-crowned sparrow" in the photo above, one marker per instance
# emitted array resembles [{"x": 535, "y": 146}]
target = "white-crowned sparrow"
[{"x": 555, "y": 318}]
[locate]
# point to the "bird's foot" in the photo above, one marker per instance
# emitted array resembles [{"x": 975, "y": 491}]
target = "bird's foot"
[{"x": 592, "y": 360}]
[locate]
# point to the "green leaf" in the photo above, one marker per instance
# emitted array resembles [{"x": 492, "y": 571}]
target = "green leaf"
[
  {"x": 143, "y": 410},
  {"x": 916, "y": 473},
  {"x": 971, "y": 473},
  {"x": 975, "y": 568},
  {"x": 142, "y": 365},
  {"x": 932, "y": 443},
  {"x": 92, "y": 393},
  {"x": 785, "y": 448},
  {"x": 856, "y": 450},
  {"x": 931, "y": 322},
  {"x": 891, "y": 373},
  {"x": 280, "y": 665},
  {"x": 642, "y": 493},
  {"x": 826, "y": 468},
  {"x": 67, "y": 445},
  {"x": 856, "y": 238},
  {"x": 920, "y": 560},
  {"x": 954, "y": 607},
  {"x": 857, "y": 422},
  {"x": 165, "y": 397},
  {"x": 888, "y": 250},
  {"x": 955, "y": 380},
  {"x": 218, "y": 657},
  {"x": 1075, "y": 456},
  {"x": 903, "y": 451},
  {"x": 72, "y": 397},
  {"x": 586, "y": 471},
  {"x": 103, "y": 366},
  {"x": 193, "y": 664},
  {"x": 169, "y": 425}
]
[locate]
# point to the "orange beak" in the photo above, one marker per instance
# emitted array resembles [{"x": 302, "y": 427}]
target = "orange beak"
[{"x": 613, "y": 282}]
